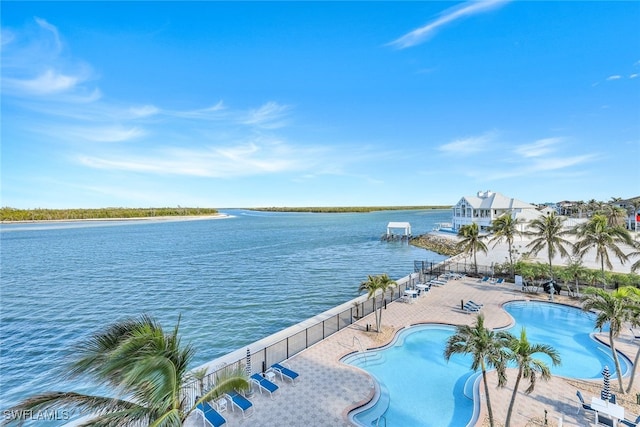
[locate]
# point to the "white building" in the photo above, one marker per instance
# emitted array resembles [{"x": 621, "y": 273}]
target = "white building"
[{"x": 487, "y": 206}]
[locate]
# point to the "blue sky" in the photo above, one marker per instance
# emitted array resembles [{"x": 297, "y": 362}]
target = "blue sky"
[{"x": 245, "y": 104}]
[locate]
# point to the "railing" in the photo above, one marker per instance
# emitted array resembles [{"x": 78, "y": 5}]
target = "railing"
[{"x": 293, "y": 340}]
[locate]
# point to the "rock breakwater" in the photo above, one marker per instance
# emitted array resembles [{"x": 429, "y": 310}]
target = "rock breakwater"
[{"x": 441, "y": 245}]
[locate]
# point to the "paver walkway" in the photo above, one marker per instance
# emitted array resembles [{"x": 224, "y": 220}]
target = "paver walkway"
[{"x": 327, "y": 389}]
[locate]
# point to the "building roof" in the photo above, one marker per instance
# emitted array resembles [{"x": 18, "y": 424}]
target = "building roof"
[{"x": 493, "y": 200}]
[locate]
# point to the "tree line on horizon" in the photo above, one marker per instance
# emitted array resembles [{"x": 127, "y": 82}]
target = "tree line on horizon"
[{"x": 13, "y": 214}]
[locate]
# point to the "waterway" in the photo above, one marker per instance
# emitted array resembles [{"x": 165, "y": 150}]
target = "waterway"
[{"x": 230, "y": 281}]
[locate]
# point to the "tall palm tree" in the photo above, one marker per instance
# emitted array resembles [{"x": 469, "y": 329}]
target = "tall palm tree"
[
  {"x": 488, "y": 349},
  {"x": 471, "y": 242},
  {"x": 522, "y": 352},
  {"x": 505, "y": 227},
  {"x": 613, "y": 308},
  {"x": 142, "y": 366},
  {"x": 598, "y": 234},
  {"x": 548, "y": 232},
  {"x": 372, "y": 286},
  {"x": 384, "y": 283}
]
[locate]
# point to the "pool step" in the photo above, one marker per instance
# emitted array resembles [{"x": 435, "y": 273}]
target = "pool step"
[
  {"x": 370, "y": 416},
  {"x": 364, "y": 359},
  {"x": 470, "y": 383}
]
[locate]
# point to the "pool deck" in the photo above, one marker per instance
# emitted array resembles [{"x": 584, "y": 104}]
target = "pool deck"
[{"x": 327, "y": 389}]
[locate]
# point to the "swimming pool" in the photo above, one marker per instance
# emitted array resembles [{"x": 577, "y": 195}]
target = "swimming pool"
[{"x": 414, "y": 379}]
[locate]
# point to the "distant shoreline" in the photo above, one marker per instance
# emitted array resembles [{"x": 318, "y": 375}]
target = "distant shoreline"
[{"x": 147, "y": 218}]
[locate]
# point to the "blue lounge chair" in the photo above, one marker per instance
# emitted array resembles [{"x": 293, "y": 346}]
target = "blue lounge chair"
[
  {"x": 470, "y": 308},
  {"x": 470, "y": 302},
  {"x": 264, "y": 384},
  {"x": 631, "y": 423},
  {"x": 284, "y": 372},
  {"x": 240, "y": 402},
  {"x": 500, "y": 280},
  {"x": 211, "y": 415}
]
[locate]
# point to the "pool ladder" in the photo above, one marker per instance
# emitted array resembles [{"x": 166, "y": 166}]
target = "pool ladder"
[{"x": 359, "y": 349}]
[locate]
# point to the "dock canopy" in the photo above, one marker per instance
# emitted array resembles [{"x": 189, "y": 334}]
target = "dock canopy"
[{"x": 399, "y": 225}]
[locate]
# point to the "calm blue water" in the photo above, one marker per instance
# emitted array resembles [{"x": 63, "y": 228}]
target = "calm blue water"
[
  {"x": 418, "y": 379},
  {"x": 568, "y": 331},
  {"x": 233, "y": 281},
  {"x": 424, "y": 389}
]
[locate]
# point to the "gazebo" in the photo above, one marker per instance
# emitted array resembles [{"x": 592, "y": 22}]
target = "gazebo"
[{"x": 397, "y": 226}]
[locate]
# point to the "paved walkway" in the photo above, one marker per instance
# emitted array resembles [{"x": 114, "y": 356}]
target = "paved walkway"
[{"x": 327, "y": 389}]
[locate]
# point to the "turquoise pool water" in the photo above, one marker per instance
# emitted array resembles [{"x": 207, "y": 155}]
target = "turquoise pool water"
[{"x": 415, "y": 379}]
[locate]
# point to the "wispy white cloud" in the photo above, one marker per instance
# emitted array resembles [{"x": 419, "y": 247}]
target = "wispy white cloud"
[
  {"x": 269, "y": 115},
  {"x": 144, "y": 111},
  {"x": 252, "y": 158},
  {"x": 212, "y": 112},
  {"x": 51, "y": 28},
  {"x": 49, "y": 82},
  {"x": 614, "y": 77},
  {"x": 38, "y": 66},
  {"x": 534, "y": 167},
  {"x": 469, "y": 145},
  {"x": 538, "y": 148},
  {"x": 104, "y": 133},
  {"x": 633, "y": 76},
  {"x": 420, "y": 35}
]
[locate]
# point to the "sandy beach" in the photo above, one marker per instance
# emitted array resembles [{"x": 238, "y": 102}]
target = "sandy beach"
[{"x": 152, "y": 218}]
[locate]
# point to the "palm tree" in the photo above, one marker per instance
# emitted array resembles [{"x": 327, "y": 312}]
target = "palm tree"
[
  {"x": 505, "y": 227},
  {"x": 613, "y": 308},
  {"x": 384, "y": 283},
  {"x": 576, "y": 271},
  {"x": 598, "y": 234},
  {"x": 548, "y": 233},
  {"x": 143, "y": 366},
  {"x": 522, "y": 352},
  {"x": 580, "y": 205},
  {"x": 372, "y": 285},
  {"x": 591, "y": 206},
  {"x": 615, "y": 215},
  {"x": 471, "y": 242},
  {"x": 636, "y": 253},
  {"x": 488, "y": 349}
]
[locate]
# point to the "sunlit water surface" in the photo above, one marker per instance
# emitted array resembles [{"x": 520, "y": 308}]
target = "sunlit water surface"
[{"x": 232, "y": 281}]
